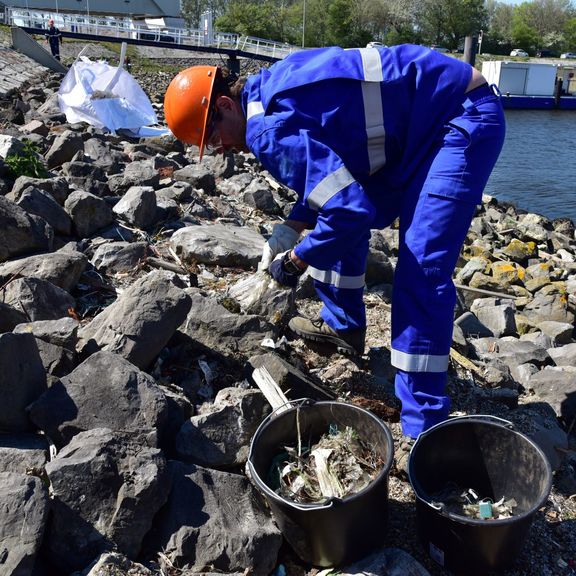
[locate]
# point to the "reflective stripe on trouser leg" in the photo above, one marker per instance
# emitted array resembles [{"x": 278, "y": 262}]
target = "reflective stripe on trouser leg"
[
  {"x": 341, "y": 289},
  {"x": 439, "y": 206}
]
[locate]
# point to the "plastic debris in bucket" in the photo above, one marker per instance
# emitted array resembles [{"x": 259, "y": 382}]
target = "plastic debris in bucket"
[
  {"x": 337, "y": 530},
  {"x": 492, "y": 462}
]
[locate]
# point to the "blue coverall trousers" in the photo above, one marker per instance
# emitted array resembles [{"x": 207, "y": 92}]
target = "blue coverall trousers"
[{"x": 435, "y": 209}]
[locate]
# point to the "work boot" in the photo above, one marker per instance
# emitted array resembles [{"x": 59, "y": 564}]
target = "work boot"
[{"x": 350, "y": 343}]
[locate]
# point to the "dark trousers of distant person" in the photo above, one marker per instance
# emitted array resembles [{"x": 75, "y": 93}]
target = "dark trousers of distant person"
[{"x": 54, "y": 39}]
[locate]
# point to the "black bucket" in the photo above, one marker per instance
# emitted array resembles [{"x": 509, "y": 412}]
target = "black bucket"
[
  {"x": 339, "y": 530},
  {"x": 484, "y": 453}
]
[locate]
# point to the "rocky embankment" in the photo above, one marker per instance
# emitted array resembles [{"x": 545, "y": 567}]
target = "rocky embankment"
[{"x": 127, "y": 402}]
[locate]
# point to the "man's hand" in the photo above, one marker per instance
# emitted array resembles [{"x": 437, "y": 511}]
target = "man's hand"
[
  {"x": 283, "y": 238},
  {"x": 284, "y": 271}
]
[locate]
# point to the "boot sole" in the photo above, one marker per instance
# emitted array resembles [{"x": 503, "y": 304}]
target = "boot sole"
[{"x": 341, "y": 346}]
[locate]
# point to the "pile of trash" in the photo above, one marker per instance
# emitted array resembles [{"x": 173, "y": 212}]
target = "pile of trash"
[
  {"x": 338, "y": 465},
  {"x": 467, "y": 502}
]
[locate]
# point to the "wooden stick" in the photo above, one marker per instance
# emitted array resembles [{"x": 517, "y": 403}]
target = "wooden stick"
[
  {"x": 464, "y": 362},
  {"x": 487, "y": 292},
  {"x": 158, "y": 263},
  {"x": 272, "y": 392}
]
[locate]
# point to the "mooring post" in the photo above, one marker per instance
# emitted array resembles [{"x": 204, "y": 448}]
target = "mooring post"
[
  {"x": 470, "y": 47},
  {"x": 234, "y": 64}
]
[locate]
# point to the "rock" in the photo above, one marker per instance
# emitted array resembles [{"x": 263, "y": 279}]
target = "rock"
[
  {"x": 40, "y": 203},
  {"x": 560, "y": 333},
  {"x": 106, "y": 489},
  {"x": 10, "y": 317},
  {"x": 23, "y": 453},
  {"x": 62, "y": 268},
  {"x": 199, "y": 176},
  {"x": 510, "y": 351},
  {"x": 23, "y": 517},
  {"x": 118, "y": 257},
  {"x": 548, "y": 307},
  {"x": 63, "y": 149},
  {"x": 552, "y": 440},
  {"x": 139, "y": 173},
  {"x": 293, "y": 382},
  {"x": 188, "y": 529},
  {"x": 219, "y": 436},
  {"x": 138, "y": 207},
  {"x": 20, "y": 232},
  {"x": 496, "y": 314},
  {"x": 57, "y": 187},
  {"x": 88, "y": 212},
  {"x": 140, "y": 322},
  {"x": 218, "y": 329},
  {"x": 105, "y": 391},
  {"x": 472, "y": 327},
  {"x": 218, "y": 244},
  {"x": 114, "y": 564},
  {"x": 39, "y": 299},
  {"x": 56, "y": 342},
  {"x": 564, "y": 356},
  {"x": 557, "y": 387}
]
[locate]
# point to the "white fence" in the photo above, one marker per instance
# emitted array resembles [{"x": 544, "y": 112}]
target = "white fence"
[{"x": 119, "y": 27}]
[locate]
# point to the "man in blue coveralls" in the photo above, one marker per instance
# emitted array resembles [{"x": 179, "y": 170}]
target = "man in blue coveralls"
[
  {"x": 364, "y": 136},
  {"x": 54, "y": 39}
]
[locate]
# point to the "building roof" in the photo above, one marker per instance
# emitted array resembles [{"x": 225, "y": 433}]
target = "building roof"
[{"x": 136, "y": 8}]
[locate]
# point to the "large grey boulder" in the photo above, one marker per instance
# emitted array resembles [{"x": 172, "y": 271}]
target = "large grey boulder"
[
  {"x": 57, "y": 187},
  {"x": 548, "y": 306},
  {"x": 198, "y": 175},
  {"x": 20, "y": 232},
  {"x": 23, "y": 517},
  {"x": 138, "y": 173},
  {"x": 113, "y": 257},
  {"x": 62, "y": 268},
  {"x": 38, "y": 299},
  {"x": 88, "y": 212},
  {"x": 22, "y": 380},
  {"x": 496, "y": 314},
  {"x": 106, "y": 488},
  {"x": 105, "y": 391},
  {"x": 557, "y": 387},
  {"x": 218, "y": 244},
  {"x": 215, "y": 327},
  {"x": 215, "y": 521},
  {"x": 140, "y": 322},
  {"x": 24, "y": 453},
  {"x": 56, "y": 341},
  {"x": 40, "y": 203},
  {"x": 219, "y": 436},
  {"x": 64, "y": 147},
  {"x": 511, "y": 351},
  {"x": 137, "y": 207},
  {"x": 10, "y": 317}
]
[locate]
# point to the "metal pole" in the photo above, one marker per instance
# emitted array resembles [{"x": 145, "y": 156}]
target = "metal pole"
[{"x": 303, "y": 22}]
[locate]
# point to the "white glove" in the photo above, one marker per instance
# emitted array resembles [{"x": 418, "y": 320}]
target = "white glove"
[{"x": 283, "y": 238}]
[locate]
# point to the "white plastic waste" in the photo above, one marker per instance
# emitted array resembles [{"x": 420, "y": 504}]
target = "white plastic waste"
[{"x": 105, "y": 96}]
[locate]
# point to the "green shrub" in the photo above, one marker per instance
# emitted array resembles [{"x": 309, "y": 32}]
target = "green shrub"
[{"x": 26, "y": 163}]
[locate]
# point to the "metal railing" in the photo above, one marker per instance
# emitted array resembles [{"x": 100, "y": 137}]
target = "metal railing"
[{"x": 120, "y": 27}]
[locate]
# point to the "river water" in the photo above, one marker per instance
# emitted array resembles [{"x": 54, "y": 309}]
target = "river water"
[{"x": 537, "y": 167}]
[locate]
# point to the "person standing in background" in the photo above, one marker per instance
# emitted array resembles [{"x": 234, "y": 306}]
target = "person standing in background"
[{"x": 54, "y": 39}]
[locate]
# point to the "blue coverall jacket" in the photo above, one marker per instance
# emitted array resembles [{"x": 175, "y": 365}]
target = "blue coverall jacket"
[{"x": 365, "y": 136}]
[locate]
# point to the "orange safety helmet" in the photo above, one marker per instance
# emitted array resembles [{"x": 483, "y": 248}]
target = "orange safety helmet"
[{"x": 187, "y": 104}]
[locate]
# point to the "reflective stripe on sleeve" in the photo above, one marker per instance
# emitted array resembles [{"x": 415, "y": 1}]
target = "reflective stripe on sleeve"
[
  {"x": 419, "y": 362},
  {"x": 372, "y": 64},
  {"x": 328, "y": 187},
  {"x": 374, "y": 117},
  {"x": 335, "y": 279},
  {"x": 254, "y": 108}
]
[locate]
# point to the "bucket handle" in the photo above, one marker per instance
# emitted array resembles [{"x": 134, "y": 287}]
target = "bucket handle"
[
  {"x": 488, "y": 417},
  {"x": 253, "y": 474}
]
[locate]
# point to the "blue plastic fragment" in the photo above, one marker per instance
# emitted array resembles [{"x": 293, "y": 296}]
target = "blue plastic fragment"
[{"x": 485, "y": 509}]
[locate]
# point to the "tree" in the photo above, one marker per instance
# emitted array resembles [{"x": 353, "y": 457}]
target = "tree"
[
  {"x": 523, "y": 36},
  {"x": 497, "y": 36},
  {"x": 346, "y": 25},
  {"x": 547, "y": 18}
]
